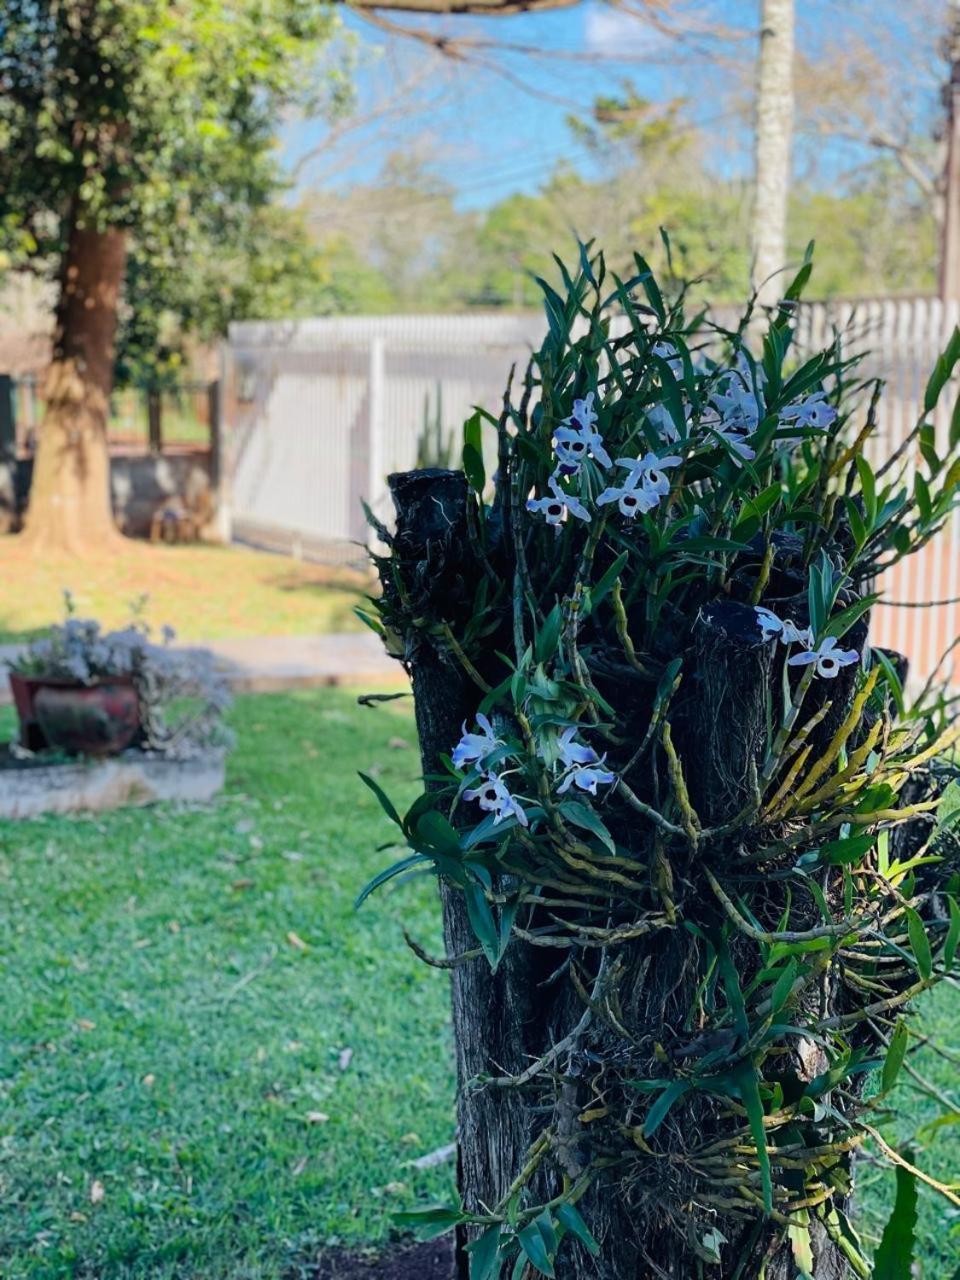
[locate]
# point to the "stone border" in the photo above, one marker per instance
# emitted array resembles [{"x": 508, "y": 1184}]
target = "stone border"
[{"x": 95, "y": 786}]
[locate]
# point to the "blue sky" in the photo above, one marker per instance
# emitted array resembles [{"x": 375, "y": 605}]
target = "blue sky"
[{"x": 497, "y": 124}]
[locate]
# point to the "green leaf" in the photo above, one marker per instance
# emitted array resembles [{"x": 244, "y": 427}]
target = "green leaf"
[
  {"x": 849, "y": 849},
  {"x": 482, "y": 922},
  {"x": 895, "y": 1056},
  {"x": 868, "y": 486},
  {"x": 749, "y": 1084},
  {"x": 436, "y": 832},
  {"x": 893, "y": 680},
  {"x": 439, "y": 1218},
  {"x": 660, "y": 1109},
  {"x": 570, "y": 1218},
  {"x": 397, "y": 869},
  {"x": 581, "y": 815},
  {"x": 474, "y": 469},
  {"x": 548, "y": 637},
  {"x": 605, "y": 584},
  {"x": 942, "y": 371},
  {"x": 894, "y": 1257},
  {"x": 532, "y": 1244},
  {"x": 473, "y": 453},
  {"x": 841, "y": 622},
  {"x": 385, "y": 802},
  {"x": 800, "y": 1243},
  {"x": 919, "y": 943},
  {"x": 484, "y": 1254},
  {"x": 953, "y": 934},
  {"x": 948, "y": 810}
]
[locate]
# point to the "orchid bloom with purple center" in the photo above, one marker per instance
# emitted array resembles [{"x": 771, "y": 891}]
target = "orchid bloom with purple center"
[
  {"x": 572, "y": 445},
  {"x": 814, "y": 412},
  {"x": 493, "y": 796},
  {"x": 555, "y": 509},
  {"x": 788, "y": 632},
  {"x": 473, "y": 747},
  {"x": 650, "y": 471},
  {"x": 633, "y": 498},
  {"x": 828, "y": 658}
]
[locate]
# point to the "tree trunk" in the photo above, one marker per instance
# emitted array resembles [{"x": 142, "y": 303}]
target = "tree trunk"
[
  {"x": 506, "y": 1020},
  {"x": 774, "y": 130},
  {"x": 70, "y": 506},
  {"x": 950, "y": 228}
]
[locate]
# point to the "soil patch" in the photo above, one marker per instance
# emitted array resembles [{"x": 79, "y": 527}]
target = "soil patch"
[{"x": 432, "y": 1260}]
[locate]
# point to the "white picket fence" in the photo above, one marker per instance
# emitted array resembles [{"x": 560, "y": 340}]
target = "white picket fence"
[{"x": 319, "y": 412}]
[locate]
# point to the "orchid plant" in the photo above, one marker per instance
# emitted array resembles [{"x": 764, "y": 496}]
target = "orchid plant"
[{"x": 689, "y": 774}]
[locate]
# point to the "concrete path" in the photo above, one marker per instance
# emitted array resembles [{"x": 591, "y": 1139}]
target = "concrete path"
[{"x": 265, "y": 664}]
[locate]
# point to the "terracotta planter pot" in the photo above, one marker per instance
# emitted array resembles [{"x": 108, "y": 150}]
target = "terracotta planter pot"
[{"x": 99, "y": 719}]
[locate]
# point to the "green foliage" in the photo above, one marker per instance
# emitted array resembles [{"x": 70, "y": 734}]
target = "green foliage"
[
  {"x": 161, "y": 120},
  {"x": 766, "y": 837},
  {"x": 894, "y": 1257}
]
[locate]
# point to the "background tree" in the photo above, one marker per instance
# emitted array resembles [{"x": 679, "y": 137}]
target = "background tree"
[
  {"x": 773, "y": 145},
  {"x": 131, "y": 120}
]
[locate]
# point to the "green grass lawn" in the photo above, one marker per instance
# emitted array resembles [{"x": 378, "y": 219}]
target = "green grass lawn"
[
  {"x": 206, "y": 592},
  {"x": 180, "y": 990}
]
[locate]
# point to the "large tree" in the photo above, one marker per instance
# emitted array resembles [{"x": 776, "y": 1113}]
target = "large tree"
[{"x": 139, "y": 120}]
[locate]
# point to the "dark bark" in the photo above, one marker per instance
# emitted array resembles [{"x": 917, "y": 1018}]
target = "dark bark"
[{"x": 505, "y": 1020}]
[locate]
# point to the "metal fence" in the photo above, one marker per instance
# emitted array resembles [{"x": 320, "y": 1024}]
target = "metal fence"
[
  {"x": 319, "y": 412},
  {"x": 175, "y": 419}
]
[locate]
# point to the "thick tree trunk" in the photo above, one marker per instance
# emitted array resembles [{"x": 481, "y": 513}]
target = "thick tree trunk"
[
  {"x": 505, "y": 1021},
  {"x": 70, "y": 508},
  {"x": 774, "y": 131}
]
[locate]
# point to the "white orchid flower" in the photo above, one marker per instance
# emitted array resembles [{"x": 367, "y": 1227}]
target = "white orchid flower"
[
  {"x": 650, "y": 471},
  {"x": 572, "y": 445},
  {"x": 661, "y": 420},
  {"x": 738, "y": 404},
  {"x": 667, "y": 351},
  {"x": 587, "y": 777},
  {"x": 632, "y": 498},
  {"x": 583, "y": 414},
  {"x": 476, "y": 746},
  {"x": 493, "y": 796},
  {"x": 814, "y": 412},
  {"x": 573, "y": 753},
  {"x": 827, "y": 656},
  {"x": 788, "y": 632},
  {"x": 555, "y": 509}
]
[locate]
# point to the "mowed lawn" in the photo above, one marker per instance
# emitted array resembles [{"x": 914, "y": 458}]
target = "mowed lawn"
[
  {"x": 206, "y": 592},
  {"x": 211, "y": 1066}
]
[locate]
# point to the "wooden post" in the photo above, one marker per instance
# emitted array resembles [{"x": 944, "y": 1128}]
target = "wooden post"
[
  {"x": 950, "y": 232},
  {"x": 8, "y": 425},
  {"x": 155, "y": 420},
  {"x": 219, "y": 472}
]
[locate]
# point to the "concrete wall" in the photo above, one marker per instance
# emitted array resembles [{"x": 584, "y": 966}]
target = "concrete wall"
[{"x": 139, "y": 483}]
